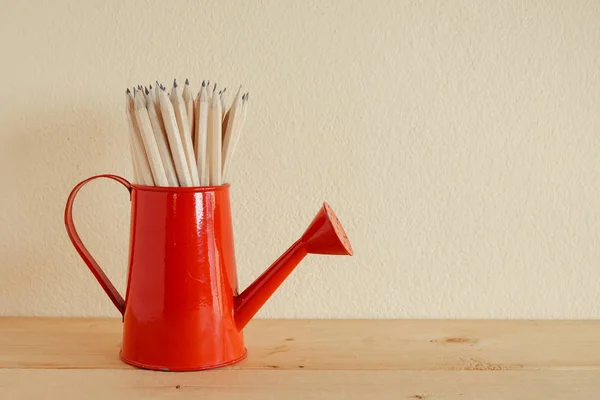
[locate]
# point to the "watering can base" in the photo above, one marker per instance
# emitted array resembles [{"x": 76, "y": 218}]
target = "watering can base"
[{"x": 183, "y": 368}]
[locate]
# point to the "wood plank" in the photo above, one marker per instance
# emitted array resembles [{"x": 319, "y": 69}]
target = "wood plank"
[
  {"x": 90, "y": 343},
  {"x": 290, "y": 385}
]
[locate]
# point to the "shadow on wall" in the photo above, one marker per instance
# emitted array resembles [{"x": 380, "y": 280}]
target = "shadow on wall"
[{"x": 44, "y": 153}]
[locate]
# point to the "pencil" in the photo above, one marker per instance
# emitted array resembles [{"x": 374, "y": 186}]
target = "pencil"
[
  {"x": 160, "y": 135},
  {"x": 222, "y": 98},
  {"x": 157, "y": 90},
  {"x": 202, "y": 136},
  {"x": 134, "y": 167},
  {"x": 184, "y": 132},
  {"x": 189, "y": 105},
  {"x": 231, "y": 129},
  {"x": 149, "y": 141},
  {"x": 177, "y": 139},
  {"x": 175, "y": 143},
  {"x": 237, "y": 135},
  {"x": 196, "y": 104},
  {"x": 137, "y": 148},
  {"x": 136, "y": 174},
  {"x": 214, "y": 140},
  {"x": 225, "y": 125}
]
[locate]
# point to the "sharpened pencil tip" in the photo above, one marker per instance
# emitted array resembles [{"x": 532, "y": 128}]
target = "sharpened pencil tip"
[
  {"x": 174, "y": 82},
  {"x": 187, "y": 82},
  {"x": 203, "y": 84},
  {"x": 147, "y": 91},
  {"x": 215, "y": 87},
  {"x": 128, "y": 91}
]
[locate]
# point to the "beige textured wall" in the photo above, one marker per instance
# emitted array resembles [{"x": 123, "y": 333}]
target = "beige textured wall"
[{"x": 459, "y": 143}]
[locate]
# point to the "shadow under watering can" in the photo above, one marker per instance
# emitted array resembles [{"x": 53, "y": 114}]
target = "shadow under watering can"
[{"x": 182, "y": 310}]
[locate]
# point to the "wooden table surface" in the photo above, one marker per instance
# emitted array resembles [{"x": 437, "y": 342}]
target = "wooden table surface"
[{"x": 42, "y": 358}]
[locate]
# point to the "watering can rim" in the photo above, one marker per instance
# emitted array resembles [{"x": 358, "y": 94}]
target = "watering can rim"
[{"x": 181, "y": 189}]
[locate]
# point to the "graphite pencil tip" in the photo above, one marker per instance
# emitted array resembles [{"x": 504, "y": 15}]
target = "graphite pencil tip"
[
  {"x": 187, "y": 82},
  {"x": 174, "y": 82},
  {"x": 203, "y": 84}
]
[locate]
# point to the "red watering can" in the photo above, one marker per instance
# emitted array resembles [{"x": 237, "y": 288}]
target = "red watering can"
[{"x": 182, "y": 310}]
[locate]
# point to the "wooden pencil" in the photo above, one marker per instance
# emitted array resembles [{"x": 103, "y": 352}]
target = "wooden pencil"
[
  {"x": 175, "y": 143},
  {"x": 189, "y": 106},
  {"x": 222, "y": 98},
  {"x": 160, "y": 135},
  {"x": 139, "y": 154},
  {"x": 225, "y": 124},
  {"x": 157, "y": 89},
  {"x": 236, "y": 137},
  {"x": 195, "y": 127},
  {"x": 214, "y": 144},
  {"x": 149, "y": 141},
  {"x": 136, "y": 174},
  {"x": 232, "y": 122},
  {"x": 184, "y": 132},
  {"x": 134, "y": 161},
  {"x": 202, "y": 136}
]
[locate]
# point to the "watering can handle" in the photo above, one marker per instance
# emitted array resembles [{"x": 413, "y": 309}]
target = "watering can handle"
[{"x": 101, "y": 277}]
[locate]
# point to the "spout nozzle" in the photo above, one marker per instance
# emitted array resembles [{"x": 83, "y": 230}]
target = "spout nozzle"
[{"x": 325, "y": 235}]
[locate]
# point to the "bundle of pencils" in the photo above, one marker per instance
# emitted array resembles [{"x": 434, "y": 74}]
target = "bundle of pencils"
[{"x": 179, "y": 140}]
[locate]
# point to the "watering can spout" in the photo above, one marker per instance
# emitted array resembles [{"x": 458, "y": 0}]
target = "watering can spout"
[{"x": 324, "y": 235}]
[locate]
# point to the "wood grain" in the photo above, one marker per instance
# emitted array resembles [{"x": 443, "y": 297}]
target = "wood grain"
[
  {"x": 329, "y": 344},
  {"x": 411, "y": 359},
  {"x": 331, "y": 385}
]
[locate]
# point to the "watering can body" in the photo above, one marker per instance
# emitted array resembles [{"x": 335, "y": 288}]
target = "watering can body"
[{"x": 182, "y": 309}]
